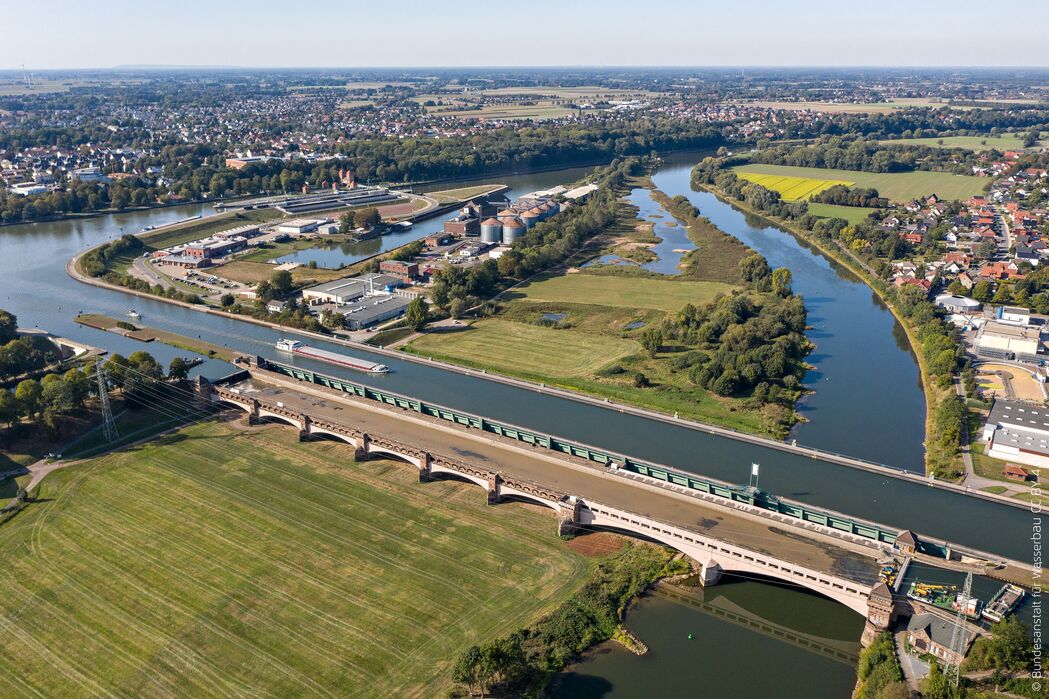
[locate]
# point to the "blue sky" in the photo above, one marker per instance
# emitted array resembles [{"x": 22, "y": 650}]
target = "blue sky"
[{"x": 103, "y": 33}]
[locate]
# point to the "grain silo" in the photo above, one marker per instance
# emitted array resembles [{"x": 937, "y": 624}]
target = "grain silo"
[
  {"x": 530, "y": 217},
  {"x": 491, "y": 230},
  {"x": 512, "y": 230}
]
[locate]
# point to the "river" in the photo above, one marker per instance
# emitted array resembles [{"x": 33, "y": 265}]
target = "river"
[
  {"x": 866, "y": 382},
  {"x": 867, "y": 403}
]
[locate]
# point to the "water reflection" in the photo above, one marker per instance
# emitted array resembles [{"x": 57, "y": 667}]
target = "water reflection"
[{"x": 740, "y": 638}]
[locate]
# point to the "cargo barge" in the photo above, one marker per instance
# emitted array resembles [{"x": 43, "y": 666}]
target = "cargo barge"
[
  {"x": 1003, "y": 602},
  {"x": 301, "y": 349},
  {"x": 946, "y": 597}
]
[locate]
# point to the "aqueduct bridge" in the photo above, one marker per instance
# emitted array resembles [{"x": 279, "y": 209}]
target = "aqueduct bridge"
[{"x": 723, "y": 528}]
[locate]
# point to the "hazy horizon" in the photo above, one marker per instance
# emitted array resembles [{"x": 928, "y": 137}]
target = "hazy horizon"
[{"x": 470, "y": 34}]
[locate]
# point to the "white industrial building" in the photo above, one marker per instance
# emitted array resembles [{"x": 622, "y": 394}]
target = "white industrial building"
[
  {"x": 1018, "y": 432},
  {"x": 1011, "y": 315},
  {"x": 998, "y": 340},
  {"x": 299, "y": 226},
  {"x": 344, "y": 291}
]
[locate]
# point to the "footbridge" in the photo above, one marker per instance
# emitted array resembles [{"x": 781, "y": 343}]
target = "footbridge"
[{"x": 723, "y": 529}]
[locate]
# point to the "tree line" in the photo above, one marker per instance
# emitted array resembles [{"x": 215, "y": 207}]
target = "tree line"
[{"x": 195, "y": 171}]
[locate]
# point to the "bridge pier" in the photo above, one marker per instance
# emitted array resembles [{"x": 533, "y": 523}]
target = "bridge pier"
[
  {"x": 253, "y": 414},
  {"x": 362, "y": 450},
  {"x": 494, "y": 491},
  {"x": 568, "y": 521},
  {"x": 304, "y": 432},
  {"x": 710, "y": 573},
  {"x": 425, "y": 469}
]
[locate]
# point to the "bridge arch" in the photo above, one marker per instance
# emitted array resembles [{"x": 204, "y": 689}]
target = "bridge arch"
[
  {"x": 383, "y": 451},
  {"x": 277, "y": 417},
  {"x": 445, "y": 472},
  {"x": 234, "y": 403},
  {"x": 729, "y": 558},
  {"x": 331, "y": 434}
]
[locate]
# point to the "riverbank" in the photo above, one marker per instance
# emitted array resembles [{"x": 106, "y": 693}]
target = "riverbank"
[
  {"x": 863, "y": 273},
  {"x": 531, "y": 657}
]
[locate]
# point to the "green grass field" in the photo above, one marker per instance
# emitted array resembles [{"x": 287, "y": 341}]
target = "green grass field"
[
  {"x": 1006, "y": 141},
  {"x": 219, "y": 562},
  {"x": 450, "y": 196},
  {"x": 533, "y": 350},
  {"x": 897, "y": 186},
  {"x": 847, "y": 108},
  {"x": 852, "y": 214},
  {"x": 621, "y": 291},
  {"x": 793, "y": 188}
]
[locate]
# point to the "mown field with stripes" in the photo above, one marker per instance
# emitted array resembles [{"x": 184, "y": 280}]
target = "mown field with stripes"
[
  {"x": 793, "y": 188},
  {"x": 222, "y": 562},
  {"x": 896, "y": 186}
]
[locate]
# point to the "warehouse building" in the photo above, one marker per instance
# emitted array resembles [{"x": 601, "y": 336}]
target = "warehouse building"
[
  {"x": 1018, "y": 432},
  {"x": 373, "y": 309},
  {"x": 1014, "y": 342},
  {"x": 299, "y": 226},
  {"x": 346, "y": 291}
]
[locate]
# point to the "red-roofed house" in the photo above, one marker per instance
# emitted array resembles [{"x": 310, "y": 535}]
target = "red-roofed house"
[{"x": 1000, "y": 271}]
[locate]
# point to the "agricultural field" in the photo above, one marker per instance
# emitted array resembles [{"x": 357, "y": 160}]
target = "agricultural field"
[
  {"x": 850, "y": 108},
  {"x": 1006, "y": 141},
  {"x": 620, "y": 291},
  {"x": 451, "y": 196},
  {"x": 793, "y": 188},
  {"x": 227, "y": 560},
  {"x": 533, "y": 350},
  {"x": 852, "y": 214},
  {"x": 897, "y": 186},
  {"x": 540, "y": 109}
]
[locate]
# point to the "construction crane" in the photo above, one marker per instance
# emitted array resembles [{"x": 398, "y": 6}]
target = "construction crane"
[{"x": 954, "y": 670}]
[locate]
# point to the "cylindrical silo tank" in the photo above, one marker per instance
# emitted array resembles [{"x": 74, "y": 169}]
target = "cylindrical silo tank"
[
  {"x": 554, "y": 209},
  {"x": 512, "y": 230},
  {"x": 530, "y": 218},
  {"x": 491, "y": 230}
]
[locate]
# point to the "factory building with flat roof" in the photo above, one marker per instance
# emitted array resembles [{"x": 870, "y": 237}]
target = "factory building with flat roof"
[
  {"x": 1001, "y": 341},
  {"x": 1018, "y": 432},
  {"x": 348, "y": 290}
]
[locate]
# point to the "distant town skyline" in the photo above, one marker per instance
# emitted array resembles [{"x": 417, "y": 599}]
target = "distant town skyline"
[{"x": 470, "y": 33}]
